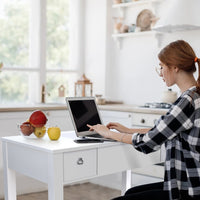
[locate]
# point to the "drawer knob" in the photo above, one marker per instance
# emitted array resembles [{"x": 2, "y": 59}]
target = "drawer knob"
[
  {"x": 80, "y": 161},
  {"x": 142, "y": 121}
]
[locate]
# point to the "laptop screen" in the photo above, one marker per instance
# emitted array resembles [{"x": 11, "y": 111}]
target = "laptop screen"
[{"x": 84, "y": 112}]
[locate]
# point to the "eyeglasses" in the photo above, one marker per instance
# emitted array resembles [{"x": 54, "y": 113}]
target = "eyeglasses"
[{"x": 159, "y": 69}]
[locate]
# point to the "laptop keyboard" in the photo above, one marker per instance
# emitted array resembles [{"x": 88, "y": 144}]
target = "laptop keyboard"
[{"x": 95, "y": 136}]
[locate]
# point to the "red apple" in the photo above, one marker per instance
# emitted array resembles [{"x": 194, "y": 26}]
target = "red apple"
[
  {"x": 26, "y": 128},
  {"x": 38, "y": 119}
]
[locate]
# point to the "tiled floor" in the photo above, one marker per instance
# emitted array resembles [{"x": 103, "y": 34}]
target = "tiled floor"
[{"x": 86, "y": 191}]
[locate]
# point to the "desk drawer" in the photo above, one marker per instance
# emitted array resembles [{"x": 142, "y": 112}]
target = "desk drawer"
[{"x": 79, "y": 165}]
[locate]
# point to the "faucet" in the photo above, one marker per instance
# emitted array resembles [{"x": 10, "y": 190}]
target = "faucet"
[
  {"x": 1, "y": 66},
  {"x": 43, "y": 93}
]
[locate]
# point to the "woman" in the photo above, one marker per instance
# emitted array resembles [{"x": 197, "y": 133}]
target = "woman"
[{"x": 179, "y": 130}]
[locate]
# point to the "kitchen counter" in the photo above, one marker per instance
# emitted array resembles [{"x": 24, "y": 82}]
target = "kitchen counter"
[
  {"x": 132, "y": 108},
  {"x": 31, "y": 107},
  {"x": 62, "y": 106}
]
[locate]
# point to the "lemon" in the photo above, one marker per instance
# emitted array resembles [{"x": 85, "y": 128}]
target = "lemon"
[
  {"x": 40, "y": 132},
  {"x": 54, "y": 133}
]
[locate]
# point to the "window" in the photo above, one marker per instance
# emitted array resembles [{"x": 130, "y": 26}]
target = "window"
[
  {"x": 14, "y": 50},
  {"x": 57, "y": 50},
  {"x": 34, "y": 48}
]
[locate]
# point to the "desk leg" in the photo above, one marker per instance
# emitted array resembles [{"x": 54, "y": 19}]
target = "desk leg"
[
  {"x": 55, "y": 177},
  {"x": 9, "y": 177},
  {"x": 126, "y": 181}
]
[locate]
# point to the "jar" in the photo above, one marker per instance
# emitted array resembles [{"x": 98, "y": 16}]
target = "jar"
[{"x": 169, "y": 96}]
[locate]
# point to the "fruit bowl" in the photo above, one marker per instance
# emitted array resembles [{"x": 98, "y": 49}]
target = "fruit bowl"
[
  {"x": 31, "y": 136},
  {"x": 27, "y": 131}
]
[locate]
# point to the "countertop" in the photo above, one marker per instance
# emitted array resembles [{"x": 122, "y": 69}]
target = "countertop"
[{"x": 60, "y": 106}]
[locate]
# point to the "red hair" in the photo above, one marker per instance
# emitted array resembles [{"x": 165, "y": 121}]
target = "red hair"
[{"x": 181, "y": 55}]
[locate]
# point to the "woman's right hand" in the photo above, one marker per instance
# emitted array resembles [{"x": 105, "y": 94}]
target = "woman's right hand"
[{"x": 119, "y": 127}]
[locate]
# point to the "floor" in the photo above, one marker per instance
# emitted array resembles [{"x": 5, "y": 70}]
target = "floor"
[{"x": 85, "y": 191}]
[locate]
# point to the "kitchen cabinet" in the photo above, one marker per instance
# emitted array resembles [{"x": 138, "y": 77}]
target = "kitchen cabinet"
[
  {"x": 144, "y": 119},
  {"x": 116, "y": 116},
  {"x": 130, "y": 119},
  {"x": 60, "y": 118}
]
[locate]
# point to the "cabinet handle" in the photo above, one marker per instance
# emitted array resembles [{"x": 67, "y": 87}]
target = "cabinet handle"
[
  {"x": 80, "y": 161},
  {"x": 142, "y": 121}
]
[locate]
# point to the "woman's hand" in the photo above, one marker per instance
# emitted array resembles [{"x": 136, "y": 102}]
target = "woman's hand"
[
  {"x": 118, "y": 127},
  {"x": 101, "y": 129}
]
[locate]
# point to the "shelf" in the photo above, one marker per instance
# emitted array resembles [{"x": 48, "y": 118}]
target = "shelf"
[
  {"x": 124, "y": 5},
  {"x": 118, "y": 37},
  {"x": 134, "y": 34}
]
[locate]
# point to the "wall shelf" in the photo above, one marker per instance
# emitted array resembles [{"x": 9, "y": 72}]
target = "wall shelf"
[
  {"x": 134, "y": 34},
  {"x": 122, "y": 9},
  {"x": 134, "y": 3},
  {"x": 123, "y": 6},
  {"x": 118, "y": 37}
]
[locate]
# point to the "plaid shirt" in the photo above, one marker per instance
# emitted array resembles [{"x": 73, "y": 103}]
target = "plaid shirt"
[{"x": 179, "y": 130}]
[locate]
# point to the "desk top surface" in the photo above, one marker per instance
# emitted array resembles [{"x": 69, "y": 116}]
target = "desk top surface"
[{"x": 64, "y": 144}]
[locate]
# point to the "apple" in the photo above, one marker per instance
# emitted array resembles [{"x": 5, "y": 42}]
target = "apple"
[
  {"x": 53, "y": 133},
  {"x": 40, "y": 131},
  {"x": 26, "y": 128},
  {"x": 38, "y": 119}
]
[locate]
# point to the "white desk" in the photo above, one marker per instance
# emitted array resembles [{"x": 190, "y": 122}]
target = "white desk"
[{"x": 60, "y": 162}]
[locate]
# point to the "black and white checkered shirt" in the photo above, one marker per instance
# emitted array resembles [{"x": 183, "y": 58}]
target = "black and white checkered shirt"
[{"x": 179, "y": 130}]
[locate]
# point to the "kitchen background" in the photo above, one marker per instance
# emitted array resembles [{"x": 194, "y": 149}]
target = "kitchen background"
[{"x": 121, "y": 70}]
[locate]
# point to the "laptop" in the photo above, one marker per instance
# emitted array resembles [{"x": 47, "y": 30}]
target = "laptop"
[{"x": 83, "y": 111}]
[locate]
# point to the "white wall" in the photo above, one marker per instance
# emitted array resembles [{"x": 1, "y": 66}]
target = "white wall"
[
  {"x": 128, "y": 73},
  {"x": 95, "y": 43}
]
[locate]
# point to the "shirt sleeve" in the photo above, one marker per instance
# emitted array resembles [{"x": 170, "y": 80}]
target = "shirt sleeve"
[{"x": 178, "y": 119}]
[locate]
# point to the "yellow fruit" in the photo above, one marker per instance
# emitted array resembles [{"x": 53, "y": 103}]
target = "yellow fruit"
[
  {"x": 54, "y": 133},
  {"x": 40, "y": 132}
]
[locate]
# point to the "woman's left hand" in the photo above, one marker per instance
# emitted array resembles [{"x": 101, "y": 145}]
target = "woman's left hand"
[{"x": 101, "y": 129}]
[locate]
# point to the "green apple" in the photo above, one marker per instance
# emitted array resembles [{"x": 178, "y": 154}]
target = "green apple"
[{"x": 40, "y": 132}]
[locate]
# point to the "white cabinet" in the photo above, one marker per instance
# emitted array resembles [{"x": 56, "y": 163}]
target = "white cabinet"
[
  {"x": 60, "y": 118},
  {"x": 144, "y": 119},
  {"x": 9, "y": 122},
  {"x": 130, "y": 119},
  {"x": 116, "y": 116}
]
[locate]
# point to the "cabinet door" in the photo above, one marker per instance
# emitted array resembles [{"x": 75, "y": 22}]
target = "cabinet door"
[
  {"x": 116, "y": 116},
  {"x": 59, "y": 118},
  {"x": 9, "y": 122},
  {"x": 144, "y": 119}
]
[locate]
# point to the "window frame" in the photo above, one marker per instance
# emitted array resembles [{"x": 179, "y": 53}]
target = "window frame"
[{"x": 37, "y": 50}]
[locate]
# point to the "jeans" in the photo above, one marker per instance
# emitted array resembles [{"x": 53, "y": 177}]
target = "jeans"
[{"x": 153, "y": 191}]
